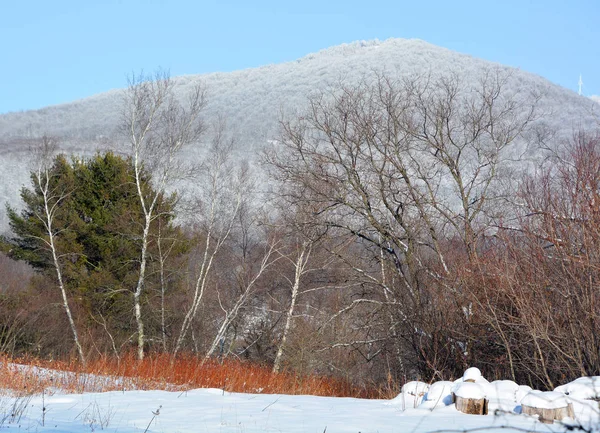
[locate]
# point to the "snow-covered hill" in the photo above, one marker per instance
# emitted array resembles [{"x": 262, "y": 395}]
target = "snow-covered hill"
[{"x": 252, "y": 100}]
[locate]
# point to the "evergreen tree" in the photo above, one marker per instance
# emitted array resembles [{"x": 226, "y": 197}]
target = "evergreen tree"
[{"x": 97, "y": 223}]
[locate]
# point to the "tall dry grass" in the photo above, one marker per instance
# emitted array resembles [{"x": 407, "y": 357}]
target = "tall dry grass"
[{"x": 164, "y": 372}]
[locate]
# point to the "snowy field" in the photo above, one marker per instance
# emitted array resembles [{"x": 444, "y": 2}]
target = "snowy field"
[{"x": 420, "y": 408}]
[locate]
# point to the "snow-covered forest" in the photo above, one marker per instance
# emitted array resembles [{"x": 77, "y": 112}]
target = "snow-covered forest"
[{"x": 378, "y": 214}]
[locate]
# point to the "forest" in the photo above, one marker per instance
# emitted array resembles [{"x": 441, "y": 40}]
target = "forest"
[{"x": 393, "y": 231}]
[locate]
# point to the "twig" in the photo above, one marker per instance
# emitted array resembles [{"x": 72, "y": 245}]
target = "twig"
[
  {"x": 271, "y": 404},
  {"x": 154, "y": 415}
]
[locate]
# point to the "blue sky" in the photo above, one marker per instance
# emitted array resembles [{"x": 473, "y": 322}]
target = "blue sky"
[{"x": 61, "y": 50}]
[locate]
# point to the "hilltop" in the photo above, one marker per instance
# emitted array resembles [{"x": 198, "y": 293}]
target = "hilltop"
[{"x": 253, "y": 100}]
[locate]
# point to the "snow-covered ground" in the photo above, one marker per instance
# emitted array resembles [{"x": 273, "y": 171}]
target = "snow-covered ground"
[
  {"x": 419, "y": 408},
  {"x": 211, "y": 410}
]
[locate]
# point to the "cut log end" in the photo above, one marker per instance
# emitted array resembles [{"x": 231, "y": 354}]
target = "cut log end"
[
  {"x": 471, "y": 406},
  {"x": 548, "y": 416}
]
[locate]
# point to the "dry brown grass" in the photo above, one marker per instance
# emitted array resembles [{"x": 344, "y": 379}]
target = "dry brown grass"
[{"x": 163, "y": 372}]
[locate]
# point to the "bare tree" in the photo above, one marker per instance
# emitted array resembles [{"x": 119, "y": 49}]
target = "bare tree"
[
  {"x": 248, "y": 287},
  {"x": 408, "y": 167},
  {"x": 547, "y": 271},
  {"x": 225, "y": 188},
  {"x": 457, "y": 141},
  {"x": 299, "y": 262},
  {"x": 158, "y": 127},
  {"x": 165, "y": 247}
]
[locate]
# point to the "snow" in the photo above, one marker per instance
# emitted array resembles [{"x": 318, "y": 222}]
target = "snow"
[
  {"x": 502, "y": 396},
  {"x": 438, "y": 395},
  {"x": 522, "y": 392},
  {"x": 419, "y": 408},
  {"x": 415, "y": 388},
  {"x": 472, "y": 373},
  {"x": 545, "y": 400},
  {"x": 503, "y": 387},
  {"x": 470, "y": 390},
  {"x": 211, "y": 410},
  {"x": 411, "y": 395},
  {"x": 582, "y": 388}
]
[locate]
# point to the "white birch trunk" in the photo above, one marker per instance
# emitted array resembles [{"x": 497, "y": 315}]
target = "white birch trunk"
[
  {"x": 215, "y": 237},
  {"x": 43, "y": 182},
  {"x": 299, "y": 265},
  {"x": 157, "y": 127},
  {"x": 232, "y": 314}
]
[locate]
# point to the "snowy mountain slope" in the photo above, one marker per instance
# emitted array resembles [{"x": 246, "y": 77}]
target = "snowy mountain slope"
[{"x": 252, "y": 101}]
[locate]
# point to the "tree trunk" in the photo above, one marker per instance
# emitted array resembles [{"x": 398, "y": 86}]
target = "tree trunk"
[
  {"x": 61, "y": 285},
  {"x": 65, "y": 301},
  {"x": 299, "y": 269},
  {"x": 138, "y": 290}
]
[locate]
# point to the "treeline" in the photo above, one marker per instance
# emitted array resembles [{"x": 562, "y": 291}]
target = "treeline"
[{"x": 404, "y": 235}]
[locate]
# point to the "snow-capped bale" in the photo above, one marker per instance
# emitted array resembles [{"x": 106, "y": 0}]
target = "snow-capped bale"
[
  {"x": 472, "y": 374},
  {"x": 502, "y": 395},
  {"x": 584, "y": 388},
  {"x": 548, "y": 406},
  {"x": 415, "y": 388},
  {"x": 480, "y": 381},
  {"x": 545, "y": 400},
  {"x": 503, "y": 387},
  {"x": 522, "y": 392},
  {"x": 470, "y": 398},
  {"x": 470, "y": 390},
  {"x": 411, "y": 394},
  {"x": 440, "y": 393}
]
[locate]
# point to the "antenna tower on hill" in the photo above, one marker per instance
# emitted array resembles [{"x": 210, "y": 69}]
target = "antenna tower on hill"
[{"x": 580, "y": 84}]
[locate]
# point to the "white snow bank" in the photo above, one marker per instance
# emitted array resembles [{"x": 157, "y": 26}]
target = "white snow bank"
[
  {"x": 440, "y": 392},
  {"x": 582, "y": 388},
  {"x": 522, "y": 392},
  {"x": 503, "y": 387},
  {"x": 545, "y": 400},
  {"x": 587, "y": 415},
  {"x": 205, "y": 410},
  {"x": 415, "y": 388},
  {"x": 411, "y": 394},
  {"x": 502, "y": 395}
]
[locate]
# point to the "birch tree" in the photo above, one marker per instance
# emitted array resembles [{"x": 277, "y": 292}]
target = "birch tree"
[
  {"x": 158, "y": 127},
  {"x": 38, "y": 225},
  {"x": 248, "y": 286},
  {"x": 299, "y": 261},
  {"x": 225, "y": 186}
]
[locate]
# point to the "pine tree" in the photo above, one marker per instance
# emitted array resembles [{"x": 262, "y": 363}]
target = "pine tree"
[{"x": 97, "y": 226}]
